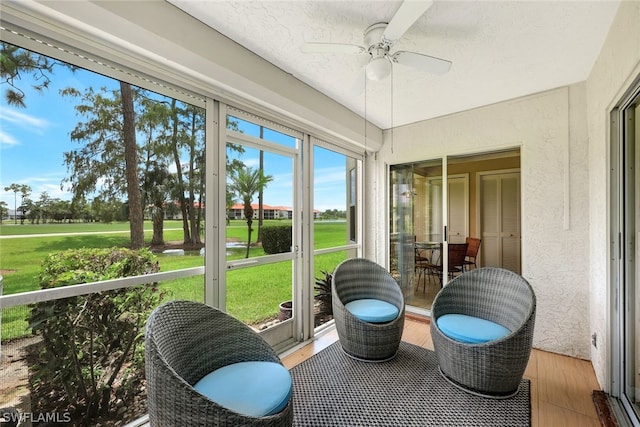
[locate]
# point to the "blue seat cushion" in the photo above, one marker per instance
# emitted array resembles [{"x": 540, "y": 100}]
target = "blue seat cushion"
[
  {"x": 256, "y": 389},
  {"x": 372, "y": 310},
  {"x": 469, "y": 329}
]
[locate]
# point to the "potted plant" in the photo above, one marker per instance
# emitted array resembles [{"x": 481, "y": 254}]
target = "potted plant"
[
  {"x": 323, "y": 301},
  {"x": 322, "y": 297},
  {"x": 286, "y": 309}
]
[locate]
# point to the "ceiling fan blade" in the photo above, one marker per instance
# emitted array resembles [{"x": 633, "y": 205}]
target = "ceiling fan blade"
[
  {"x": 406, "y": 15},
  {"x": 332, "y": 48},
  {"x": 429, "y": 64}
]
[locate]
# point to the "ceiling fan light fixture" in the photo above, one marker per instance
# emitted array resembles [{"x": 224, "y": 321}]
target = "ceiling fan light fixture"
[{"x": 378, "y": 68}]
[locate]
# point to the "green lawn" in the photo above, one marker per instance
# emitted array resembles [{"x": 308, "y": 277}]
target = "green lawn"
[
  {"x": 253, "y": 294},
  {"x": 8, "y": 228}
]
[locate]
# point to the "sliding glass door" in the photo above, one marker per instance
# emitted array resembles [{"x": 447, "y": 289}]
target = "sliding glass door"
[
  {"x": 417, "y": 224},
  {"x": 625, "y": 387},
  {"x": 436, "y": 205}
]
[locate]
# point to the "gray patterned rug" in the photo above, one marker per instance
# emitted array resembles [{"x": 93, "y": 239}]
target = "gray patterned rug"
[{"x": 331, "y": 389}]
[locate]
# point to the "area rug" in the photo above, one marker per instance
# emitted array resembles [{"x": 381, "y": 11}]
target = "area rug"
[{"x": 331, "y": 389}]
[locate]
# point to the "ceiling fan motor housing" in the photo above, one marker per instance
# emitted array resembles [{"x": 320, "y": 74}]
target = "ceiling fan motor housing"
[
  {"x": 380, "y": 66},
  {"x": 373, "y": 36}
]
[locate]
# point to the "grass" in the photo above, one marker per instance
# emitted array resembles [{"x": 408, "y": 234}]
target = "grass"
[
  {"x": 253, "y": 294},
  {"x": 8, "y": 228}
]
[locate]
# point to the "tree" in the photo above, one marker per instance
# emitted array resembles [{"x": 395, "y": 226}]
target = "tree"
[
  {"x": 245, "y": 183},
  {"x": 157, "y": 181},
  {"x": 80, "y": 210},
  {"x": 24, "y": 191},
  {"x": 157, "y": 187},
  {"x": 43, "y": 207},
  {"x": 107, "y": 162},
  {"x": 136, "y": 218},
  {"x": 14, "y": 61},
  {"x": 3, "y": 210},
  {"x": 15, "y": 188},
  {"x": 187, "y": 137}
]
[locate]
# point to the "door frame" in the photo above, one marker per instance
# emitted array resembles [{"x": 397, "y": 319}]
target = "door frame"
[
  {"x": 623, "y": 250},
  {"x": 284, "y": 334}
]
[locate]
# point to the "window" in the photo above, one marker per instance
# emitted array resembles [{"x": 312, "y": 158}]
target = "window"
[
  {"x": 336, "y": 212},
  {"x": 180, "y": 168}
]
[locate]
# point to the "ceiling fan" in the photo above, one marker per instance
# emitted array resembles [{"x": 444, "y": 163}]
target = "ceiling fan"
[{"x": 380, "y": 37}]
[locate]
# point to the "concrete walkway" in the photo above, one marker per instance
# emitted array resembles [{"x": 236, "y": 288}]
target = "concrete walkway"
[{"x": 79, "y": 233}]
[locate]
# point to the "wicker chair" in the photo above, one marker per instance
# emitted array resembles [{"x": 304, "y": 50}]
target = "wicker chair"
[
  {"x": 359, "y": 278},
  {"x": 494, "y": 368},
  {"x": 185, "y": 341}
]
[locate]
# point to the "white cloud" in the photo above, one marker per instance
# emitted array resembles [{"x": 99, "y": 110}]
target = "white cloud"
[
  {"x": 7, "y": 140},
  {"x": 252, "y": 163},
  {"x": 330, "y": 175},
  {"x": 26, "y": 121}
]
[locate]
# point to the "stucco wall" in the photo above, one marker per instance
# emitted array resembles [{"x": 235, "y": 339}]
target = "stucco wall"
[
  {"x": 617, "y": 65},
  {"x": 549, "y": 128}
]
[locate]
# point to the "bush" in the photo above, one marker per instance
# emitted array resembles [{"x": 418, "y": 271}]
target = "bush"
[
  {"x": 276, "y": 239},
  {"x": 92, "y": 346},
  {"x": 323, "y": 294}
]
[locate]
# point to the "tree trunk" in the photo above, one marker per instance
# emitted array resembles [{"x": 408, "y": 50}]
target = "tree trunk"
[
  {"x": 131, "y": 168},
  {"x": 158, "y": 225},
  {"x": 195, "y": 235},
  {"x": 260, "y": 196},
  {"x": 248, "y": 213},
  {"x": 184, "y": 208}
]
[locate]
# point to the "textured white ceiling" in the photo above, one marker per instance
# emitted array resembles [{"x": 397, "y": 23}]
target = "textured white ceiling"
[{"x": 500, "y": 49}]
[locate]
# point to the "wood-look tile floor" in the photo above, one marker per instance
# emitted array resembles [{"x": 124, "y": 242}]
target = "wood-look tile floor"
[{"x": 561, "y": 386}]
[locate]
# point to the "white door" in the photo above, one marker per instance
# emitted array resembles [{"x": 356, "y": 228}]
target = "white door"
[
  {"x": 458, "y": 186},
  {"x": 457, "y": 207},
  {"x": 500, "y": 220}
]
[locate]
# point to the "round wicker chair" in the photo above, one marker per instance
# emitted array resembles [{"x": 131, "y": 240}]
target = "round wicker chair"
[
  {"x": 495, "y": 368},
  {"x": 186, "y": 340},
  {"x": 359, "y": 278}
]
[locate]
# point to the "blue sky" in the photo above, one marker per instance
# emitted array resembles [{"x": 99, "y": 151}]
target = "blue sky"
[{"x": 33, "y": 140}]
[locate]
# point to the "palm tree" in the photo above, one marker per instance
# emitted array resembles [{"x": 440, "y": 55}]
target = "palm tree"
[{"x": 246, "y": 182}]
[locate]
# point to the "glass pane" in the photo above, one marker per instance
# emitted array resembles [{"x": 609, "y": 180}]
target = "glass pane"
[
  {"x": 334, "y": 198},
  {"x": 259, "y": 202},
  {"x": 631, "y": 346},
  {"x": 74, "y": 192},
  {"x": 259, "y": 295},
  {"x": 416, "y": 229},
  {"x": 258, "y": 131},
  {"x": 632, "y": 351}
]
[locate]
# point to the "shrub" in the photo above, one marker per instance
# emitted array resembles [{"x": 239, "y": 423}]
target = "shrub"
[
  {"x": 323, "y": 294},
  {"x": 276, "y": 239},
  {"x": 92, "y": 346}
]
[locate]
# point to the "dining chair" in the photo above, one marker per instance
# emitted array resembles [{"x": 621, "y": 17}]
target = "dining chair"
[
  {"x": 423, "y": 256},
  {"x": 472, "y": 252},
  {"x": 456, "y": 253}
]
